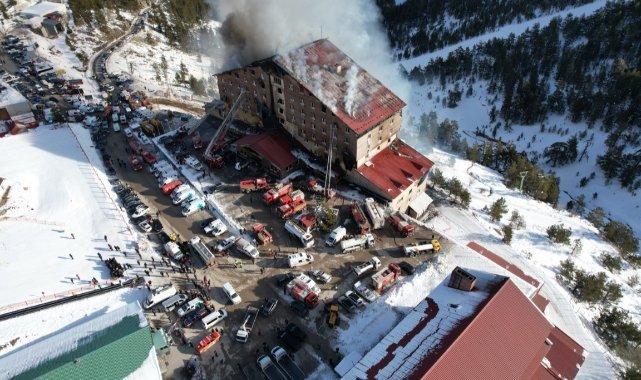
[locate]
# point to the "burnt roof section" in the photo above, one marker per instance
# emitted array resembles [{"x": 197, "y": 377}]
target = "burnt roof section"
[{"x": 349, "y": 91}]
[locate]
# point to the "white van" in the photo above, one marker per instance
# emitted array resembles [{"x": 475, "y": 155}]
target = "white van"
[
  {"x": 231, "y": 293},
  {"x": 211, "y": 319},
  {"x": 299, "y": 258},
  {"x": 170, "y": 303},
  {"x": 114, "y": 117},
  {"x": 336, "y": 236},
  {"x": 189, "y": 307},
  {"x": 159, "y": 294},
  {"x": 116, "y": 127}
]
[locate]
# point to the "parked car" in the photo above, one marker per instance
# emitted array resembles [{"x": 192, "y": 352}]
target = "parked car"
[
  {"x": 194, "y": 316},
  {"x": 225, "y": 244},
  {"x": 299, "y": 308},
  {"x": 347, "y": 304},
  {"x": 358, "y": 301},
  {"x": 322, "y": 276},
  {"x": 368, "y": 294},
  {"x": 269, "y": 306},
  {"x": 407, "y": 267},
  {"x": 144, "y": 226},
  {"x": 140, "y": 211}
]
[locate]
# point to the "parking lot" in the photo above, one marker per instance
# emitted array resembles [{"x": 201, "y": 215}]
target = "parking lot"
[{"x": 255, "y": 280}]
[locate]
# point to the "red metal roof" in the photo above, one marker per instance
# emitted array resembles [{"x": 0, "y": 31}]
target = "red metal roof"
[
  {"x": 540, "y": 301},
  {"x": 353, "y": 94},
  {"x": 273, "y": 147},
  {"x": 504, "y": 264},
  {"x": 565, "y": 356},
  {"x": 395, "y": 168},
  {"x": 501, "y": 342}
]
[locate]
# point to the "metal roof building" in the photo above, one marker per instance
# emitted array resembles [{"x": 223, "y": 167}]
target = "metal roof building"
[
  {"x": 114, "y": 345},
  {"x": 474, "y": 325}
]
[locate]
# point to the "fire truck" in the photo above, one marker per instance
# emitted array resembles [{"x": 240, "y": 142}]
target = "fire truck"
[
  {"x": 294, "y": 196},
  {"x": 136, "y": 162},
  {"x": 278, "y": 191},
  {"x": 250, "y": 185},
  {"x": 403, "y": 226},
  {"x": 386, "y": 277},
  {"x": 288, "y": 210},
  {"x": 262, "y": 235},
  {"x": 360, "y": 219},
  {"x": 300, "y": 291}
]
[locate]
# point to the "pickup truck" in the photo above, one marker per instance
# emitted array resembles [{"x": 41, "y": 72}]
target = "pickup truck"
[
  {"x": 242, "y": 335},
  {"x": 286, "y": 363},
  {"x": 271, "y": 371}
]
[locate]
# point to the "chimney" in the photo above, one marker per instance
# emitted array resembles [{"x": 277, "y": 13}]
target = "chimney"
[{"x": 462, "y": 280}]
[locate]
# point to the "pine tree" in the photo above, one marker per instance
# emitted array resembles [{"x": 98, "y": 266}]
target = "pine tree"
[
  {"x": 498, "y": 209},
  {"x": 559, "y": 234},
  {"x": 507, "y": 234}
]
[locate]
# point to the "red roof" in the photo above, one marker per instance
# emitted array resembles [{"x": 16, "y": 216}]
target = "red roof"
[
  {"x": 395, "y": 168},
  {"x": 504, "y": 264},
  {"x": 353, "y": 94},
  {"x": 565, "y": 357},
  {"x": 540, "y": 301},
  {"x": 273, "y": 147},
  {"x": 502, "y": 341}
]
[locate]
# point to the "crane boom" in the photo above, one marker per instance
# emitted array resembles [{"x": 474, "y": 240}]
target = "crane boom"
[{"x": 219, "y": 136}]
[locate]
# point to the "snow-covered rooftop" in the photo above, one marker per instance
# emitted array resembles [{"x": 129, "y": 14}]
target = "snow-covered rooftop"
[
  {"x": 43, "y": 9},
  {"x": 354, "y": 95},
  {"x": 10, "y": 96}
]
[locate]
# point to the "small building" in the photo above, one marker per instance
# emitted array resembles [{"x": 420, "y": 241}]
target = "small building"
[
  {"x": 46, "y": 17},
  {"x": 271, "y": 150},
  {"x": 15, "y": 110},
  {"x": 51, "y": 27},
  {"x": 44, "y": 9},
  {"x": 115, "y": 345}
]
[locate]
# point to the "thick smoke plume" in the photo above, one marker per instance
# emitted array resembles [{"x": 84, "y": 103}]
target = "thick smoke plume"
[{"x": 257, "y": 29}]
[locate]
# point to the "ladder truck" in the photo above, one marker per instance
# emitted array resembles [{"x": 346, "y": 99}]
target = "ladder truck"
[{"x": 217, "y": 142}]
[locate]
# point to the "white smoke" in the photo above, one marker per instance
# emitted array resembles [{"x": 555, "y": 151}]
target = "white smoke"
[
  {"x": 257, "y": 29},
  {"x": 352, "y": 89}
]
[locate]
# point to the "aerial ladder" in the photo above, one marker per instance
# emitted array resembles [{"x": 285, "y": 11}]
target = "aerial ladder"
[{"x": 218, "y": 140}]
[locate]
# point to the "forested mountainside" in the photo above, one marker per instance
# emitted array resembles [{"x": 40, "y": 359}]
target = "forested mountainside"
[
  {"x": 587, "y": 67},
  {"x": 419, "y": 26}
]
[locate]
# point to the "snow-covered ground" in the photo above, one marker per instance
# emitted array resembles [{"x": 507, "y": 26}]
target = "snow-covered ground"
[
  {"x": 137, "y": 58},
  {"x": 17, "y": 332},
  {"x": 58, "y": 188}
]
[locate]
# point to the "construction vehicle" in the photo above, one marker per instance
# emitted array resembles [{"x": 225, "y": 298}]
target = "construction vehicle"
[
  {"x": 294, "y": 196},
  {"x": 421, "y": 248},
  {"x": 303, "y": 291},
  {"x": 375, "y": 213},
  {"x": 403, "y": 226},
  {"x": 358, "y": 242},
  {"x": 286, "y": 363},
  {"x": 205, "y": 254},
  {"x": 136, "y": 162},
  {"x": 285, "y": 211},
  {"x": 262, "y": 235},
  {"x": 217, "y": 142},
  {"x": 306, "y": 239},
  {"x": 333, "y": 317},
  {"x": 271, "y": 371},
  {"x": 196, "y": 142},
  {"x": 278, "y": 191},
  {"x": 250, "y": 185},
  {"x": 242, "y": 335},
  {"x": 360, "y": 219},
  {"x": 207, "y": 342},
  {"x": 336, "y": 236},
  {"x": 372, "y": 264},
  {"x": 386, "y": 277}
]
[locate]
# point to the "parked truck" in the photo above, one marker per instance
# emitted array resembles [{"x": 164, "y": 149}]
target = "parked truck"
[
  {"x": 285, "y": 211},
  {"x": 159, "y": 294},
  {"x": 178, "y": 197},
  {"x": 358, "y": 242},
  {"x": 271, "y": 371},
  {"x": 372, "y": 264},
  {"x": 205, "y": 254},
  {"x": 336, "y": 236},
  {"x": 294, "y": 196},
  {"x": 300, "y": 291},
  {"x": 246, "y": 248},
  {"x": 173, "y": 250},
  {"x": 262, "y": 235},
  {"x": 136, "y": 162},
  {"x": 403, "y": 226},
  {"x": 360, "y": 218},
  {"x": 192, "y": 206},
  {"x": 250, "y": 185},
  {"x": 306, "y": 239},
  {"x": 285, "y": 362},
  {"x": 375, "y": 213},
  {"x": 421, "y": 248},
  {"x": 278, "y": 191},
  {"x": 242, "y": 335},
  {"x": 386, "y": 277}
]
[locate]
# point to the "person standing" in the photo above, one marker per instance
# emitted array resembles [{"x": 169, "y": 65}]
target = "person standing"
[
  {"x": 100, "y": 256},
  {"x": 105, "y": 237},
  {"x": 73, "y": 236},
  {"x": 70, "y": 255}
]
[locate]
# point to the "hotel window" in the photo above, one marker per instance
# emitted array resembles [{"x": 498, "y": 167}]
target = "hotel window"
[
  {"x": 323, "y": 119},
  {"x": 323, "y": 108},
  {"x": 280, "y": 90},
  {"x": 291, "y": 87}
]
